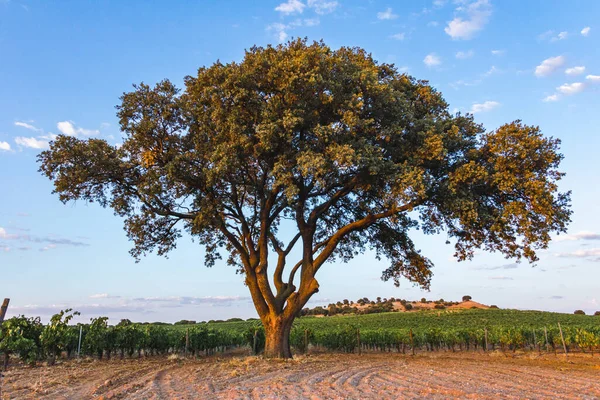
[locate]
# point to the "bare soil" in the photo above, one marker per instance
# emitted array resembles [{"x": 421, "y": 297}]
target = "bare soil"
[{"x": 315, "y": 376}]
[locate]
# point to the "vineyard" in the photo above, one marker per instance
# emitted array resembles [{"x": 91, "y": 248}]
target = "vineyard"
[{"x": 466, "y": 330}]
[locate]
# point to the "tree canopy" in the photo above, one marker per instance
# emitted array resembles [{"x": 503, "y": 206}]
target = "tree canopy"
[{"x": 351, "y": 152}]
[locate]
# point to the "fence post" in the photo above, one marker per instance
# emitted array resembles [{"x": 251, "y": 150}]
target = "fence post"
[
  {"x": 563, "y": 339},
  {"x": 412, "y": 344},
  {"x": 255, "y": 340},
  {"x": 3, "y": 309},
  {"x": 79, "y": 345},
  {"x": 486, "y": 339},
  {"x": 187, "y": 341},
  {"x": 546, "y": 336},
  {"x": 358, "y": 341},
  {"x": 306, "y": 340}
]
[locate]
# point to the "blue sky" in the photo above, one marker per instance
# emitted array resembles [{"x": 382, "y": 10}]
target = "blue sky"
[{"x": 64, "y": 64}]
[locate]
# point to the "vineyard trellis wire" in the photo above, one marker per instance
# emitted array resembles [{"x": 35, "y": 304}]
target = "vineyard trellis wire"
[{"x": 469, "y": 330}]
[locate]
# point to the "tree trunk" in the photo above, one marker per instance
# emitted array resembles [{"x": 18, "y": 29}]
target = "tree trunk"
[{"x": 277, "y": 337}]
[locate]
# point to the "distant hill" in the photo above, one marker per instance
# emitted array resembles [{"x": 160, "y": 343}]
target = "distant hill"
[{"x": 379, "y": 305}]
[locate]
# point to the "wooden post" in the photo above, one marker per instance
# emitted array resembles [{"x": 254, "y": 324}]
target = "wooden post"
[
  {"x": 535, "y": 344},
  {"x": 306, "y": 340},
  {"x": 563, "y": 339},
  {"x": 187, "y": 340},
  {"x": 255, "y": 341},
  {"x": 3, "y": 309},
  {"x": 546, "y": 336},
  {"x": 358, "y": 341},
  {"x": 79, "y": 345},
  {"x": 412, "y": 344},
  {"x": 486, "y": 339}
]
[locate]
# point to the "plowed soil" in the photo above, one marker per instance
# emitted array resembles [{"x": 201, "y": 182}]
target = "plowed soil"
[{"x": 316, "y": 376}]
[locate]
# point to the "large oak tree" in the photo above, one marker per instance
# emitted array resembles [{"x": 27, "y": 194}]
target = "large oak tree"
[{"x": 350, "y": 153}]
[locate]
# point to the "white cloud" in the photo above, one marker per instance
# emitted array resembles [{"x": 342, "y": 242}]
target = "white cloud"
[
  {"x": 291, "y": 7},
  {"x": 280, "y": 31},
  {"x": 4, "y": 146},
  {"x": 501, "y": 278},
  {"x": 432, "y": 60},
  {"x": 68, "y": 128},
  {"x": 549, "y": 65},
  {"x": 465, "y": 54},
  {"x": 48, "y": 247},
  {"x": 585, "y": 31},
  {"x": 498, "y": 52},
  {"x": 31, "y": 142},
  {"x": 571, "y": 88},
  {"x": 311, "y": 22},
  {"x": 104, "y": 296},
  {"x": 5, "y": 235},
  {"x": 560, "y": 36},
  {"x": 575, "y": 71},
  {"x": 322, "y": 7},
  {"x": 398, "y": 36},
  {"x": 593, "y": 78},
  {"x": 27, "y": 126},
  {"x": 478, "y": 14},
  {"x": 582, "y": 235},
  {"x": 484, "y": 107},
  {"x": 491, "y": 71},
  {"x": 386, "y": 15},
  {"x": 552, "y": 97},
  {"x": 545, "y": 35},
  {"x": 433, "y": 23},
  {"x": 581, "y": 253}
]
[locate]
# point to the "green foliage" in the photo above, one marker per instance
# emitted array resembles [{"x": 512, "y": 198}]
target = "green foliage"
[
  {"x": 349, "y": 148},
  {"x": 20, "y": 335},
  {"x": 96, "y": 337},
  {"x": 58, "y": 335}
]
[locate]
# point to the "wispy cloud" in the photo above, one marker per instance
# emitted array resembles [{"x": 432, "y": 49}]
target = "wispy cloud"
[
  {"x": 582, "y": 235},
  {"x": 561, "y": 36},
  {"x": 501, "y": 278},
  {"x": 322, "y": 7},
  {"x": 573, "y": 71},
  {"x": 432, "y": 60},
  {"x": 551, "y": 98},
  {"x": 31, "y": 142},
  {"x": 291, "y": 7},
  {"x": 477, "y": 16},
  {"x": 49, "y": 242},
  {"x": 571, "y": 88},
  {"x": 386, "y": 15},
  {"x": 484, "y": 107},
  {"x": 586, "y": 253},
  {"x": 398, "y": 36},
  {"x": 27, "y": 125},
  {"x": 549, "y": 65},
  {"x": 462, "y": 55},
  {"x": 498, "y": 52},
  {"x": 586, "y": 31},
  {"x": 104, "y": 296},
  {"x": 68, "y": 128},
  {"x": 497, "y": 267},
  {"x": 593, "y": 78}
]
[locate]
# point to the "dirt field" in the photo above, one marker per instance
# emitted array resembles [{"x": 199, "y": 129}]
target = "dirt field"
[{"x": 321, "y": 376}]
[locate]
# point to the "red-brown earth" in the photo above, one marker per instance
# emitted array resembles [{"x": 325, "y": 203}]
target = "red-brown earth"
[{"x": 437, "y": 375}]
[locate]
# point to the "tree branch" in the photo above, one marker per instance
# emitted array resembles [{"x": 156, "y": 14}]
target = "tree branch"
[{"x": 331, "y": 243}]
